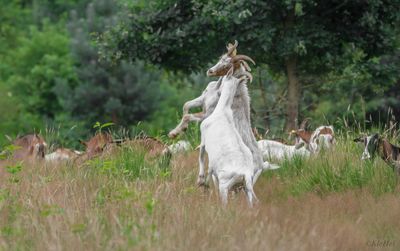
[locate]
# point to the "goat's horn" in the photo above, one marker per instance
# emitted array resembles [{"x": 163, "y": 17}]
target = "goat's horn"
[
  {"x": 242, "y": 57},
  {"x": 231, "y": 47},
  {"x": 248, "y": 74},
  {"x": 246, "y": 66},
  {"x": 304, "y": 123}
]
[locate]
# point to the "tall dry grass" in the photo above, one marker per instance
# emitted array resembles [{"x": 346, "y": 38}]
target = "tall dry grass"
[{"x": 330, "y": 202}]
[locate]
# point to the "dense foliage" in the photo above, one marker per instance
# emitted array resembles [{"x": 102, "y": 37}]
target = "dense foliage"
[
  {"x": 123, "y": 93},
  {"x": 304, "y": 40},
  {"x": 69, "y": 64},
  {"x": 52, "y": 78}
]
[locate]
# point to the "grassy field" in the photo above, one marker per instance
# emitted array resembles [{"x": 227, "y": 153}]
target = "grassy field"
[{"x": 333, "y": 201}]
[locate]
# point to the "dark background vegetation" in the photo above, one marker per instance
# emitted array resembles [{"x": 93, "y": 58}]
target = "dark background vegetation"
[{"x": 65, "y": 65}]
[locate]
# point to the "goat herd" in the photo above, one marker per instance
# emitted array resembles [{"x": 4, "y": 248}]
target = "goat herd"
[{"x": 235, "y": 157}]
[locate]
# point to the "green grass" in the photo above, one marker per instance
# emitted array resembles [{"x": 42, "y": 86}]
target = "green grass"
[
  {"x": 132, "y": 163},
  {"x": 128, "y": 201},
  {"x": 336, "y": 170}
]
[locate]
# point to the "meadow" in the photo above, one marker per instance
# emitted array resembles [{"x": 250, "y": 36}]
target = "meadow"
[
  {"x": 67, "y": 67},
  {"x": 125, "y": 201}
]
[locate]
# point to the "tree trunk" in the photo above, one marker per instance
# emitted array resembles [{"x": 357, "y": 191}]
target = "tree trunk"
[
  {"x": 293, "y": 98},
  {"x": 265, "y": 114},
  {"x": 114, "y": 117}
]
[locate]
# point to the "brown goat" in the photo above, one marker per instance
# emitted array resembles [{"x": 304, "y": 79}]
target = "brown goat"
[
  {"x": 153, "y": 146},
  {"x": 322, "y": 137},
  {"x": 29, "y": 146},
  {"x": 376, "y": 144},
  {"x": 302, "y": 135},
  {"x": 103, "y": 143},
  {"x": 97, "y": 144}
]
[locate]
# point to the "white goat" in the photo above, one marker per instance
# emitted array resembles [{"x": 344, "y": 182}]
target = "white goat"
[
  {"x": 180, "y": 147},
  {"x": 276, "y": 150},
  {"x": 62, "y": 154},
  {"x": 230, "y": 160},
  {"x": 322, "y": 138},
  {"x": 207, "y": 100},
  {"x": 306, "y": 143},
  {"x": 235, "y": 65}
]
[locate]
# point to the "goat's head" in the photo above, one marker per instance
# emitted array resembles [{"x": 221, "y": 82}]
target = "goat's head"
[
  {"x": 33, "y": 144},
  {"x": 371, "y": 144},
  {"x": 229, "y": 62},
  {"x": 302, "y": 139},
  {"x": 97, "y": 143},
  {"x": 39, "y": 146},
  {"x": 322, "y": 137},
  {"x": 301, "y": 135}
]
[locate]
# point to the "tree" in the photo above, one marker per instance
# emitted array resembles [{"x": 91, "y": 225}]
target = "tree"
[
  {"x": 123, "y": 93},
  {"x": 361, "y": 91},
  {"x": 301, "y": 38},
  {"x": 41, "y": 60}
]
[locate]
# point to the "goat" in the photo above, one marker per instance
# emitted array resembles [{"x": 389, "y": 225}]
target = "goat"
[
  {"x": 180, "y": 147},
  {"x": 307, "y": 142},
  {"x": 29, "y": 146},
  {"x": 387, "y": 151},
  {"x": 235, "y": 65},
  {"x": 230, "y": 160},
  {"x": 322, "y": 138},
  {"x": 104, "y": 143},
  {"x": 62, "y": 154},
  {"x": 97, "y": 144},
  {"x": 153, "y": 147},
  {"x": 209, "y": 98},
  {"x": 272, "y": 149},
  {"x": 301, "y": 134}
]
